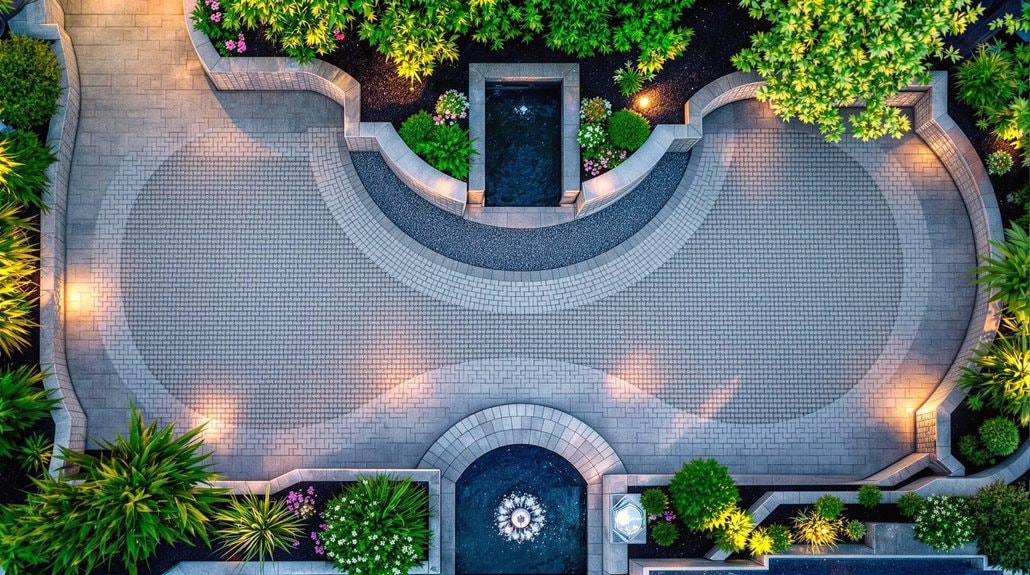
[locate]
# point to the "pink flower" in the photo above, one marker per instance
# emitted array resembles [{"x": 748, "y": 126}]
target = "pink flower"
[
  {"x": 296, "y": 544},
  {"x": 338, "y": 35},
  {"x": 230, "y": 45},
  {"x": 241, "y": 47},
  {"x": 216, "y": 17},
  {"x": 214, "y": 6}
]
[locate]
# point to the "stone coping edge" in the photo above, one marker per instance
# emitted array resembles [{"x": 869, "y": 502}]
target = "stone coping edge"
[
  {"x": 323, "y": 78},
  {"x": 430, "y": 567},
  {"x": 656, "y": 566},
  {"x": 45, "y": 19}
]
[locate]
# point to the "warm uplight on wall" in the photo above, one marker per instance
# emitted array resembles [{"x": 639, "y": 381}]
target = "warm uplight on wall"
[
  {"x": 643, "y": 102},
  {"x": 80, "y": 298}
]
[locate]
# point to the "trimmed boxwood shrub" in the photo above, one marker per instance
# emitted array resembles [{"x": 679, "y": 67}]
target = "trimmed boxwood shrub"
[
  {"x": 829, "y": 506},
  {"x": 417, "y": 128},
  {"x": 909, "y": 505},
  {"x": 664, "y": 534},
  {"x": 703, "y": 493},
  {"x": 26, "y": 181},
  {"x": 1000, "y": 436},
  {"x": 869, "y": 496},
  {"x": 782, "y": 538},
  {"x": 654, "y": 501},
  {"x": 31, "y": 82},
  {"x": 628, "y": 130}
]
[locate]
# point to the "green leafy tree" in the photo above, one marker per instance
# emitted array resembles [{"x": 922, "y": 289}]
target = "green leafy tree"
[
  {"x": 821, "y": 56},
  {"x": 149, "y": 487},
  {"x": 703, "y": 494}
]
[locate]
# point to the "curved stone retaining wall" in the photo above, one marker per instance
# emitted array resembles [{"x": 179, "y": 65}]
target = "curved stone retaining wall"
[
  {"x": 45, "y": 19},
  {"x": 435, "y": 186}
]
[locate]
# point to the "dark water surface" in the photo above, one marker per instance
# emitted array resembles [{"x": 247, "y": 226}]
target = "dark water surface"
[
  {"x": 559, "y": 549},
  {"x": 523, "y": 144}
]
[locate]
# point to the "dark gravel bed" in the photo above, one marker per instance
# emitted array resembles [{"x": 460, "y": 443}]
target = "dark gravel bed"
[
  {"x": 518, "y": 249},
  {"x": 721, "y": 29}
]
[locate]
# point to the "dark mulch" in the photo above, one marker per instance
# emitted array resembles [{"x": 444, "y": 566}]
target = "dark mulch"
[
  {"x": 721, "y": 30},
  {"x": 168, "y": 556},
  {"x": 965, "y": 421}
]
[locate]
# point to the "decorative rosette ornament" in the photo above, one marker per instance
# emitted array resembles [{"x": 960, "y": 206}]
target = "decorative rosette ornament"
[{"x": 520, "y": 517}]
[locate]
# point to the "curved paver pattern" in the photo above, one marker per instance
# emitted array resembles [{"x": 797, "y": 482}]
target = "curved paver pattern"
[{"x": 225, "y": 265}]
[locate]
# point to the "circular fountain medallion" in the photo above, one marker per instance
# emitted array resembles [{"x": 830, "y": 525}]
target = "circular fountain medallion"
[{"x": 520, "y": 517}]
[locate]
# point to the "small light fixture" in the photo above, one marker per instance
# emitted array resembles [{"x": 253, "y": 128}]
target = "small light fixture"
[
  {"x": 627, "y": 520},
  {"x": 643, "y": 102}
]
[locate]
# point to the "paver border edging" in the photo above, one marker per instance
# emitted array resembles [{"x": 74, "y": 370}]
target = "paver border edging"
[
  {"x": 323, "y": 78},
  {"x": 44, "y": 19},
  {"x": 527, "y": 424},
  {"x": 952, "y": 147},
  {"x": 429, "y": 476}
]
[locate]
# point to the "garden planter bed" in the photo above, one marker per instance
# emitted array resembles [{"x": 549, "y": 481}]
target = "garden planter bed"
[
  {"x": 965, "y": 421},
  {"x": 721, "y": 30},
  {"x": 168, "y": 556},
  {"x": 695, "y": 545}
]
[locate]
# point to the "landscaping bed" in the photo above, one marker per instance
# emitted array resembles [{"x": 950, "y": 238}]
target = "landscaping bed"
[
  {"x": 721, "y": 30},
  {"x": 168, "y": 556}
]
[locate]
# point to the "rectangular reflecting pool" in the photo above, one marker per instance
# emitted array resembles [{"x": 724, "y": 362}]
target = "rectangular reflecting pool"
[{"x": 523, "y": 144}]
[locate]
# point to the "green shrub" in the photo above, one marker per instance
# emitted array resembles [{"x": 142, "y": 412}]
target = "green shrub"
[
  {"x": 819, "y": 56},
  {"x": 815, "y": 530},
  {"x": 869, "y": 496},
  {"x": 829, "y": 506},
  {"x": 760, "y": 542},
  {"x": 448, "y": 149},
  {"x": 18, "y": 266},
  {"x": 993, "y": 83},
  {"x": 630, "y": 79},
  {"x": 146, "y": 488},
  {"x": 377, "y": 525},
  {"x": 909, "y": 505},
  {"x": 23, "y": 403},
  {"x": 1000, "y": 516},
  {"x": 973, "y": 452},
  {"x": 1000, "y": 374},
  {"x": 628, "y": 130},
  {"x": 654, "y": 501},
  {"x": 854, "y": 530},
  {"x": 664, "y": 534},
  {"x": 782, "y": 538},
  {"x": 35, "y": 454},
  {"x": 703, "y": 493},
  {"x": 26, "y": 183},
  {"x": 592, "y": 138},
  {"x": 32, "y": 82},
  {"x": 943, "y": 523},
  {"x": 417, "y": 129},
  {"x": 736, "y": 528},
  {"x": 999, "y": 163},
  {"x": 1006, "y": 273},
  {"x": 1020, "y": 199},
  {"x": 304, "y": 28},
  {"x": 252, "y": 528},
  {"x": 1000, "y": 436}
]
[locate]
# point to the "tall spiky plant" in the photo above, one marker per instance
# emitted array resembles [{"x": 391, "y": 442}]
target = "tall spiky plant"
[
  {"x": 1000, "y": 374},
  {"x": 1008, "y": 273},
  {"x": 7, "y": 161},
  {"x": 253, "y": 528},
  {"x": 28, "y": 184},
  {"x": 149, "y": 487},
  {"x": 18, "y": 263},
  {"x": 23, "y": 402}
]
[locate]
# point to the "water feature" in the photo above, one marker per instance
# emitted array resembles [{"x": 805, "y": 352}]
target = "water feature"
[
  {"x": 523, "y": 144},
  {"x": 520, "y": 510}
]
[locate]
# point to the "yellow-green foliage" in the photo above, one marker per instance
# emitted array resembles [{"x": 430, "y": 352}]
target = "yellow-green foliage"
[
  {"x": 760, "y": 542},
  {"x": 304, "y": 28},
  {"x": 819, "y": 56},
  {"x": 18, "y": 264},
  {"x": 7, "y": 163},
  {"x": 733, "y": 536},
  {"x": 815, "y": 530}
]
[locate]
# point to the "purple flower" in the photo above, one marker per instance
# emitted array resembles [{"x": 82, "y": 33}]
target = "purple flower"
[
  {"x": 296, "y": 544},
  {"x": 230, "y": 45},
  {"x": 241, "y": 47},
  {"x": 311, "y": 489},
  {"x": 216, "y": 17}
]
